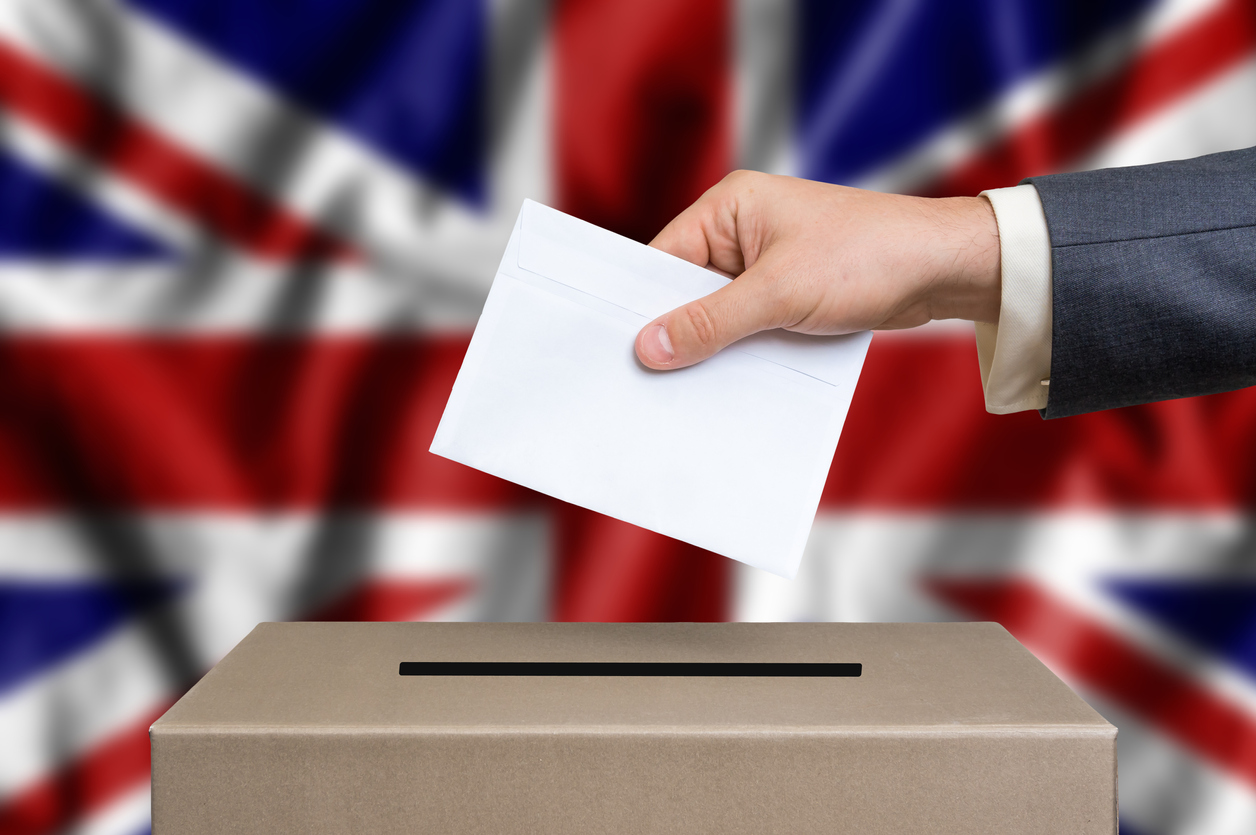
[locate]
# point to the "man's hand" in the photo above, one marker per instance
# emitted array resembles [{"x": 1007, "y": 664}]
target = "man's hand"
[{"x": 823, "y": 259}]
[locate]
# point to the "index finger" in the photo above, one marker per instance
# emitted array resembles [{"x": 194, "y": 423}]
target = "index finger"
[{"x": 706, "y": 233}]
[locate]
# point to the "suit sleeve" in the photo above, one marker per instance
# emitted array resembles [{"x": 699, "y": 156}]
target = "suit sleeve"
[{"x": 1153, "y": 272}]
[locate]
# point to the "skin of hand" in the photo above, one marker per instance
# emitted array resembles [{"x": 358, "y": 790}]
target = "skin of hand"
[{"x": 823, "y": 259}]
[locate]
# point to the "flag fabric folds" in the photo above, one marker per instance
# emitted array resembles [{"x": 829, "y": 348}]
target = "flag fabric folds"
[{"x": 242, "y": 248}]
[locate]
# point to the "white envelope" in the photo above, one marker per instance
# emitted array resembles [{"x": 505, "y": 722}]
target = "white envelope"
[{"x": 730, "y": 454}]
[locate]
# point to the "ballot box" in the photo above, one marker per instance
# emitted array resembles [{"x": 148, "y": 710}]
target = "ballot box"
[{"x": 637, "y": 728}]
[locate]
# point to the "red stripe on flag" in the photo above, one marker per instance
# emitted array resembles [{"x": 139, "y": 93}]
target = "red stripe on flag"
[
  {"x": 240, "y": 423},
  {"x": 608, "y": 570},
  {"x": 643, "y": 108},
  {"x": 116, "y": 766},
  {"x": 1153, "y": 80},
  {"x": 395, "y": 599},
  {"x": 1091, "y": 655},
  {"x": 101, "y": 131},
  {"x": 161, "y": 422},
  {"x": 918, "y": 438},
  {"x": 642, "y": 126}
]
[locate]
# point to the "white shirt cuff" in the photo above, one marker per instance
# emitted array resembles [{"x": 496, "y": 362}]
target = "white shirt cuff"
[{"x": 1015, "y": 354}]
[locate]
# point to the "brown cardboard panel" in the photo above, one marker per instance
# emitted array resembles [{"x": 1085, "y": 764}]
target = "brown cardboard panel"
[{"x": 950, "y": 728}]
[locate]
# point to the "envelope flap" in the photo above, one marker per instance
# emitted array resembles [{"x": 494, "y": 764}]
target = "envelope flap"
[
  {"x": 613, "y": 268},
  {"x": 650, "y": 282}
]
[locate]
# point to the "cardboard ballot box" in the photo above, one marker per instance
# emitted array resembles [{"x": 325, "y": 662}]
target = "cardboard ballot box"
[{"x": 667, "y": 728}]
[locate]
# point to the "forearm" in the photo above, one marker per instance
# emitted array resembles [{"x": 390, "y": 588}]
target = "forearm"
[{"x": 965, "y": 280}]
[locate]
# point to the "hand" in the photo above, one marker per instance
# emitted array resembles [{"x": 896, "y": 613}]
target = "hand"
[{"x": 823, "y": 259}]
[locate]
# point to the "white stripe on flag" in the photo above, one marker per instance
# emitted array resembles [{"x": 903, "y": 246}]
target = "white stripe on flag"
[
  {"x": 247, "y": 567},
  {"x": 225, "y": 294},
  {"x": 242, "y": 569},
  {"x": 867, "y": 565},
  {"x": 872, "y": 566},
  {"x": 764, "y": 52},
  {"x": 231, "y": 294}
]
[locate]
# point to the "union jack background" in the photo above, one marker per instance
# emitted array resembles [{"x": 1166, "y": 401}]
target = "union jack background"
[{"x": 243, "y": 244}]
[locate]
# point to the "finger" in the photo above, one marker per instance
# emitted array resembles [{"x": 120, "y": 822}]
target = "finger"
[
  {"x": 685, "y": 236},
  {"x": 706, "y": 233},
  {"x": 695, "y": 331}
]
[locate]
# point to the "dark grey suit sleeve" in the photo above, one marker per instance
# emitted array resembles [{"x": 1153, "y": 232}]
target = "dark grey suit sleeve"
[{"x": 1153, "y": 272}]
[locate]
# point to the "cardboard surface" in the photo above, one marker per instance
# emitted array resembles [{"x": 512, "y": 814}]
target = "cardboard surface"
[{"x": 950, "y": 728}]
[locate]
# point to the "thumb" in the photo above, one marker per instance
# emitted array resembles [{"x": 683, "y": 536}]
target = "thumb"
[{"x": 695, "y": 331}]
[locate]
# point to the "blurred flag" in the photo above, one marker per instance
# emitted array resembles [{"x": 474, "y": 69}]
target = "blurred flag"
[{"x": 242, "y": 246}]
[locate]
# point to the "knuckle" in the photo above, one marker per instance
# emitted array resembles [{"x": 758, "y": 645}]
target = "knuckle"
[
  {"x": 701, "y": 324},
  {"x": 743, "y": 177}
]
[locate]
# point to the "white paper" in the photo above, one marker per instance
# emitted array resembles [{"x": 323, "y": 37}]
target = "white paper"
[{"x": 730, "y": 454}]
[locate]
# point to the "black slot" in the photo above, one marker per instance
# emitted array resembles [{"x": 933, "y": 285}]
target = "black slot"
[{"x": 632, "y": 668}]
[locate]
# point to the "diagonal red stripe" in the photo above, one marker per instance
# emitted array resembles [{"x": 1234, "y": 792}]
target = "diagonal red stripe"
[
  {"x": 1091, "y": 655},
  {"x": 101, "y": 131},
  {"x": 1153, "y": 80},
  {"x": 111, "y": 769},
  {"x": 394, "y": 599}
]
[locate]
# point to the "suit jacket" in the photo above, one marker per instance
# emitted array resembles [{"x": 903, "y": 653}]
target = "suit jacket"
[{"x": 1153, "y": 272}]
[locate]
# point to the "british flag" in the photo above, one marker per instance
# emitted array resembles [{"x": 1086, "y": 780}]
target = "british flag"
[{"x": 243, "y": 243}]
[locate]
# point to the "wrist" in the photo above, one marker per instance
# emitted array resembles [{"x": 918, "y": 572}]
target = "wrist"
[{"x": 966, "y": 279}]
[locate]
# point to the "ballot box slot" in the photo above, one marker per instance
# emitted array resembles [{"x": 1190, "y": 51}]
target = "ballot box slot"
[{"x": 633, "y": 668}]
